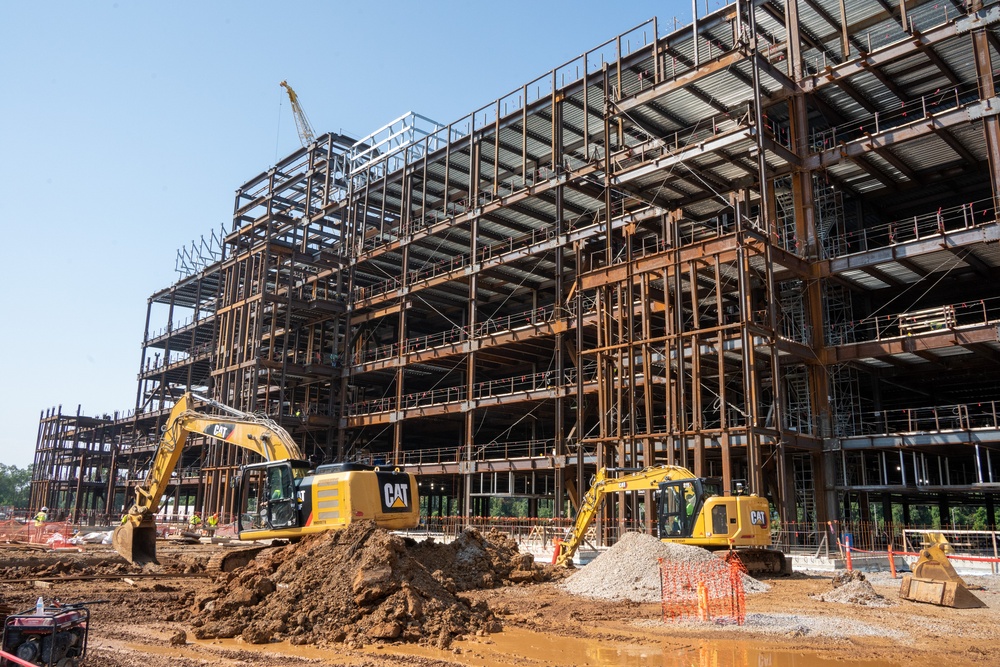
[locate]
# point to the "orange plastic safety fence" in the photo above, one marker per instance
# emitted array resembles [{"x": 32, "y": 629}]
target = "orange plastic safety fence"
[
  {"x": 706, "y": 591},
  {"x": 15, "y": 531},
  {"x": 226, "y": 530}
]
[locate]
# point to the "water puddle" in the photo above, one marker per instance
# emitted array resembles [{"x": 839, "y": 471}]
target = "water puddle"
[
  {"x": 520, "y": 647},
  {"x": 525, "y": 647}
]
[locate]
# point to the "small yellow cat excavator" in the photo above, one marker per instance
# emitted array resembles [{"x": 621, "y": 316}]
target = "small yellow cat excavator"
[
  {"x": 690, "y": 510},
  {"x": 282, "y": 497}
]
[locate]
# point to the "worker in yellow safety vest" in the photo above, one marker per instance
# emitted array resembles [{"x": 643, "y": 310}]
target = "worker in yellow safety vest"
[
  {"x": 212, "y": 523},
  {"x": 40, "y": 520},
  {"x": 194, "y": 523}
]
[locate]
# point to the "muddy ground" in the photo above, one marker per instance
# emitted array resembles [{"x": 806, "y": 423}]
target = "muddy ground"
[{"x": 143, "y": 621}]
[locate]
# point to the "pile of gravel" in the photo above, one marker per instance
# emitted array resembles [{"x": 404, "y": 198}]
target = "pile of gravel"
[
  {"x": 630, "y": 571},
  {"x": 799, "y": 625},
  {"x": 796, "y": 625},
  {"x": 857, "y": 591},
  {"x": 854, "y": 588}
]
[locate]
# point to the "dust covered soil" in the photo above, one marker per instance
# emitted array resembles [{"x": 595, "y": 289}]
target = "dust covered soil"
[{"x": 367, "y": 597}]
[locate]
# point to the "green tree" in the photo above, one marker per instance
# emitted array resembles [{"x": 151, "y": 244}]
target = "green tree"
[
  {"x": 15, "y": 485},
  {"x": 980, "y": 519},
  {"x": 508, "y": 507}
]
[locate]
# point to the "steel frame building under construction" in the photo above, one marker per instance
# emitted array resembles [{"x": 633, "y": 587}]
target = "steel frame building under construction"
[{"x": 762, "y": 246}]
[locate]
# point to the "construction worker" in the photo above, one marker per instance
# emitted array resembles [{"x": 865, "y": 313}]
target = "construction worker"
[
  {"x": 212, "y": 523},
  {"x": 40, "y": 519},
  {"x": 194, "y": 523}
]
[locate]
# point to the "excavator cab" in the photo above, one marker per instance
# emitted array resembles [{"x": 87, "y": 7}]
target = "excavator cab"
[
  {"x": 679, "y": 504},
  {"x": 269, "y": 495}
]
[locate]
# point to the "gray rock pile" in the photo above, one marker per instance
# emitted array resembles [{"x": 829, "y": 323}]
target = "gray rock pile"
[
  {"x": 853, "y": 588},
  {"x": 630, "y": 571}
]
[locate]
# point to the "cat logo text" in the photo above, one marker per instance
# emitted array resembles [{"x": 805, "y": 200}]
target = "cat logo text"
[
  {"x": 396, "y": 496},
  {"x": 221, "y": 431}
]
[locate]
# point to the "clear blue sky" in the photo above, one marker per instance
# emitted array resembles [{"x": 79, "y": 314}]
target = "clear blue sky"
[{"x": 125, "y": 128}]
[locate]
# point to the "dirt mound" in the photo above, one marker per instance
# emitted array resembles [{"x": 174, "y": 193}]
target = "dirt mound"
[
  {"x": 362, "y": 585},
  {"x": 853, "y": 588},
  {"x": 845, "y": 577},
  {"x": 629, "y": 570}
]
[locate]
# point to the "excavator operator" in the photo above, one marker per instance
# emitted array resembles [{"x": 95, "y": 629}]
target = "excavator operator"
[
  {"x": 278, "y": 488},
  {"x": 279, "y": 484}
]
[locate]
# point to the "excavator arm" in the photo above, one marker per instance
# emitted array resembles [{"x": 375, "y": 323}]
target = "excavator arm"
[
  {"x": 135, "y": 539},
  {"x": 647, "y": 479}
]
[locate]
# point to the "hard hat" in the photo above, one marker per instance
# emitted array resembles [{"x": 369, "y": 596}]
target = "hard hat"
[{"x": 45, "y": 509}]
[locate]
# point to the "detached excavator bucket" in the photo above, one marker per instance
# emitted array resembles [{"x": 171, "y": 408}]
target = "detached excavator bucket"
[
  {"x": 136, "y": 543},
  {"x": 934, "y": 564},
  {"x": 935, "y": 581},
  {"x": 942, "y": 593}
]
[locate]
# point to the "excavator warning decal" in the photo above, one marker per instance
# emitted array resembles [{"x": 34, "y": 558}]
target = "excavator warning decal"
[
  {"x": 221, "y": 431},
  {"x": 394, "y": 490}
]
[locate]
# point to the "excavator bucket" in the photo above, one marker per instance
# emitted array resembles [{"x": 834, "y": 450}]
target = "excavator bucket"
[
  {"x": 934, "y": 564},
  {"x": 136, "y": 543},
  {"x": 942, "y": 593},
  {"x": 935, "y": 581}
]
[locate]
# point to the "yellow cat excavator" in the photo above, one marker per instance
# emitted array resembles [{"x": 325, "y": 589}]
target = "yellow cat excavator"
[
  {"x": 689, "y": 510},
  {"x": 281, "y": 497}
]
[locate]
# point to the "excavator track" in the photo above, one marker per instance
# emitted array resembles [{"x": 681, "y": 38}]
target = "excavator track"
[
  {"x": 228, "y": 561},
  {"x": 764, "y": 561}
]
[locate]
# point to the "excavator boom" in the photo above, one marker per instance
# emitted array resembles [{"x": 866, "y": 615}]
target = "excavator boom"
[{"x": 645, "y": 480}]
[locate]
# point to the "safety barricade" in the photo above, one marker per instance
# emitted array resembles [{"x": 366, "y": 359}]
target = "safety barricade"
[
  {"x": 16, "y": 531},
  {"x": 710, "y": 590},
  {"x": 52, "y": 533},
  {"x": 850, "y": 552},
  {"x": 226, "y": 530}
]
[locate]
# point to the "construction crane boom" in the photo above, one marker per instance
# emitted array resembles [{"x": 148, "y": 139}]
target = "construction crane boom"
[{"x": 306, "y": 134}]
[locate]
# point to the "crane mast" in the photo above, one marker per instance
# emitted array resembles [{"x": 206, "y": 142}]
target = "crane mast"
[{"x": 306, "y": 134}]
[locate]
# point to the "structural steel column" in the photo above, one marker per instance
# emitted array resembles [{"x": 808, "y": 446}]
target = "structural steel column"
[
  {"x": 397, "y": 427},
  {"x": 475, "y": 157},
  {"x": 578, "y": 427},
  {"x": 807, "y": 242},
  {"x": 559, "y": 432},
  {"x": 470, "y": 373},
  {"x": 987, "y": 91}
]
